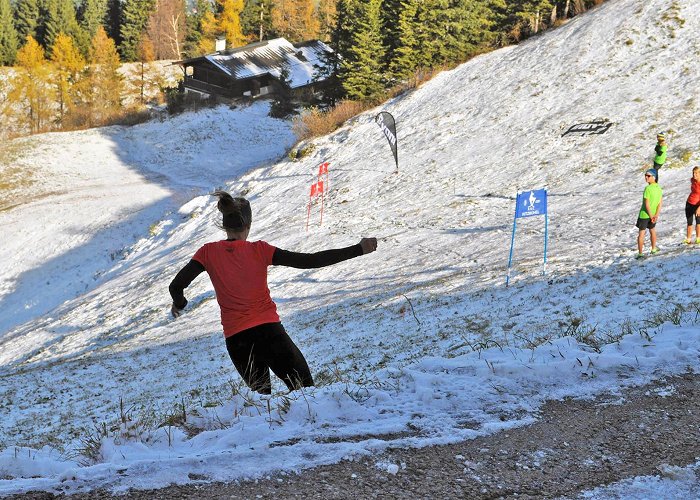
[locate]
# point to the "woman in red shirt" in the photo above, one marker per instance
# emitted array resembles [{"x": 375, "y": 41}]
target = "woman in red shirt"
[
  {"x": 255, "y": 338},
  {"x": 692, "y": 208}
]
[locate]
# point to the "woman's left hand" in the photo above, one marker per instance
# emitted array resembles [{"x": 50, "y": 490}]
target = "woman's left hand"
[{"x": 368, "y": 245}]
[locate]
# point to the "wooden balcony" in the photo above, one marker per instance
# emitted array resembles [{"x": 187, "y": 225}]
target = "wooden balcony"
[{"x": 208, "y": 88}]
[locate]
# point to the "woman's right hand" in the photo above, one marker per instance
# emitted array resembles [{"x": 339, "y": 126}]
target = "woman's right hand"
[{"x": 368, "y": 245}]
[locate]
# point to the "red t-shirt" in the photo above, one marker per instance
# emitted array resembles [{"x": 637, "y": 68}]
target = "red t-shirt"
[
  {"x": 238, "y": 271},
  {"x": 694, "y": 197}
]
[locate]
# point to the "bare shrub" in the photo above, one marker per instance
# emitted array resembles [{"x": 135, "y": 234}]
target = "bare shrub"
[{"x": 317, "y": 122}]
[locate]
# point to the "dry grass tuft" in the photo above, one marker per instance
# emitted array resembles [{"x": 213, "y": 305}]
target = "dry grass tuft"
[{"x": 317, "y": 122}]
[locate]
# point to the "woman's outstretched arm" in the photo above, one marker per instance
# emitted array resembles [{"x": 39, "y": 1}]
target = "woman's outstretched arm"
[{"x": 323, "y": 258}]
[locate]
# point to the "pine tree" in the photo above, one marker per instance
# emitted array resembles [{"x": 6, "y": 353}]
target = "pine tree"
[
  {"x": 8, "y": 35},
  {"x": 92, "y": 15},
  {"x": 340, "y": 45},
  {"x": 113, "y": 22},
  {"x": 432, "y": 35},
  {"x": 30, "y": 90},
  {"x": 230, "y": 22},
  {"x": 527, "y": 16},
  {"x": 193, "y": 25},
  {"x": 135, "y": 18},
  {"x": 282, "y": 105},
  {"x": 467, "y": 25},
  {"x": 60, "y": 18},
  {"x": 257, "y": 14},
  {"x": 390, "y": 16},
  {"x": 68, "y": 64},
  {"x": 27, "y": 18},
  {"x": 360, "y": 65},
  {"x": 403, "y": 59},
  {"x": 452, "y": 30}
]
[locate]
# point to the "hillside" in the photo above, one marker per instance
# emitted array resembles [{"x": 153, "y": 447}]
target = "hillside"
[{"x": 417, "y": 344}]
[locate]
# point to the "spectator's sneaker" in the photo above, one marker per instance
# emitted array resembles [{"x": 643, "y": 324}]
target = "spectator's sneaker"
[
  {"x": 697, "y": 241},
  {"x": 687, "y": 241},
  {"x": 654, "y": 251},
  {"x": 639, "y": 256}
]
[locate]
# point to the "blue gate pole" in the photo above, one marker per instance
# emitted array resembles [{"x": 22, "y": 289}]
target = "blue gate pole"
[
  {"x": 546, "y": 225},
  {"x": 512, "y": 238}
]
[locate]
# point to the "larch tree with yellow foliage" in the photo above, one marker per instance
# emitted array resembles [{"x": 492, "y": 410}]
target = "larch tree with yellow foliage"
[
  {"x": 68, "y": 65},
  {"x": 104, "y": 84},
  {"x": 230, "y": 22},
  {"x": 30, "y": 95},
  {"x": 210, "y": 30},
  {"x": 326, "y": 14},
  {"x": 295, "y": 20},
  {"x": 146, "y": 82}
]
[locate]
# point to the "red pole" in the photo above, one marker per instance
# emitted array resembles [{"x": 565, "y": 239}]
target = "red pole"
[
  {"x": 322, "y": 196},
  {"x": 321, "y": 210}
]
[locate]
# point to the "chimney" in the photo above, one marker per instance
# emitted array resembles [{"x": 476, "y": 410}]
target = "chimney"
[{"x": 220, "y": 44}]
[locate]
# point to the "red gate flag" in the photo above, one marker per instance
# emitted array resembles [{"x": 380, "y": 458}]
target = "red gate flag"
[
  {"x": 316, "y": 189},
  {"x": 323, "y": 168}
]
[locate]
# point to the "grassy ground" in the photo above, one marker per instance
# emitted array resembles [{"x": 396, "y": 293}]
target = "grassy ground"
[{"x": 15, "y": 178}]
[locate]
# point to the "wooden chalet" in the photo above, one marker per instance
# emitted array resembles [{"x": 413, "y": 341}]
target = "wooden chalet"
[{"x": 255, "y": 69}]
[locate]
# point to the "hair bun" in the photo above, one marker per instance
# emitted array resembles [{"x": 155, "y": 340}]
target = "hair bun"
[{"x": 237, "y": 214}]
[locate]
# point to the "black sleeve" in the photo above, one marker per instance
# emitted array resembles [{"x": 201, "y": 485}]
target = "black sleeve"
[
  {"x": 313, "y": 260},
  {"x": 182, "y": 280}
]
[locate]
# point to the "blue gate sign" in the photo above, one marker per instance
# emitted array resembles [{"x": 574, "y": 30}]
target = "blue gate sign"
[{"x": 531, "y": 203}]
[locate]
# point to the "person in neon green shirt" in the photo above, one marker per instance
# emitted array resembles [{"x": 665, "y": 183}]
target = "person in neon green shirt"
[
  {"x": 649, "y": 213},
  {"x": 660, "y": 152}
]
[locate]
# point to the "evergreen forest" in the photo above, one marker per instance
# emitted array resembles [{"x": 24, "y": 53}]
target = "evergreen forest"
[{"x": 67, "y": 52}]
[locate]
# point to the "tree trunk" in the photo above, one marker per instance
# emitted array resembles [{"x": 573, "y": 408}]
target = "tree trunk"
[
  {"x": 262, "y": 9},
  {"x": 175, "y": 36}
]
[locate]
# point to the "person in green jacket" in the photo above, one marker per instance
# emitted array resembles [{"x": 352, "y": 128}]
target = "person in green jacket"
[
  {"x": 660, "y": 152},
  {"x": 649, "y": 213}
]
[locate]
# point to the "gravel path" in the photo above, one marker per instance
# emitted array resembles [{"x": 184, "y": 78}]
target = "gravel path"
[{"x": 574, "y": 446}]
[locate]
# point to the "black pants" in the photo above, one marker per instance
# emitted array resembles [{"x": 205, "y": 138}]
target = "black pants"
[
  {"x": 266, "y": 347},
  {"x": 690, "y": 213}
]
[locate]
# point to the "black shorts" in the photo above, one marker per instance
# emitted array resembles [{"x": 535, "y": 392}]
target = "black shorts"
[
  {"x": 266, "y": 347},
  {"x": 645, "y": 224},
  {"x": 690, "y": 211}
]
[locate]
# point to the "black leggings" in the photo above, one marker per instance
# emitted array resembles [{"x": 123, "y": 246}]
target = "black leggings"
[
  {"x": 266, "y": 347},
  {"x": 690, "y": 213}
]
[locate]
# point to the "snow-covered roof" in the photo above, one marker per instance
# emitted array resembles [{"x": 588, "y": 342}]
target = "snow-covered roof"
[{"x": 271, "y": 56}]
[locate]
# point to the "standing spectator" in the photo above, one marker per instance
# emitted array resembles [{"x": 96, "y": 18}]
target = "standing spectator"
[
  {"x": 660, "y": 152},
  {"x": 649, "y": 214},
  {"x": 692, "y": 208}
]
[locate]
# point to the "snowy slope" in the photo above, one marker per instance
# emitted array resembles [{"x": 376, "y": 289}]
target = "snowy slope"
[{"x": 410, "y": 341}]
